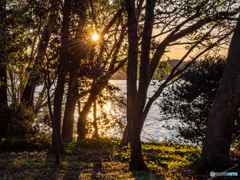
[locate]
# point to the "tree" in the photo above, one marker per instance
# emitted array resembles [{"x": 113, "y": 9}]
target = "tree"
[
  {"x": 195, "y": 16},
  {"x": 34, "y": 77},
  {"x": 106, "y": 57},
  {"x": 189, "y": 101},
  {"x": 16, "y": 37},
  {"x": 64, "y": 55},
  {"x": 87, "y": 59},
  {"x": 225, "y": 106},
  {"x": 74, "y": 74},
  {"x": 48, "y": 84}
]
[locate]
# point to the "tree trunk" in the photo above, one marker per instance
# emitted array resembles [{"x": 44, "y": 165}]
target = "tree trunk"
[
  {"x": 82, "y": 120},
  {"x": 95, "y": 119},
  {"x": 134, "y": 131},
  {"x": 125, "y": 139},
  {"x": 3, "y": 61},
  {"x": 64, "y": 54},
  {"x": 67, "y": 129},
  {"x": 28, "y": 93},
  {"x": 225, "y": 106},
  {"x": 142, "y": 92},
  {"x": 136, "y": 162},
  {"x": 136, "y": 99},
  {"x": 48, "y": 86},
  {"x": 12, "y": 87}
]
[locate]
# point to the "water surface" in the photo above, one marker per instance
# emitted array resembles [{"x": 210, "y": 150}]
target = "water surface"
[{"x": 152, "y": 129}]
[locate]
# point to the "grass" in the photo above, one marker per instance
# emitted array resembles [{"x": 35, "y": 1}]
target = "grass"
[{"x": 88, "y": 160}]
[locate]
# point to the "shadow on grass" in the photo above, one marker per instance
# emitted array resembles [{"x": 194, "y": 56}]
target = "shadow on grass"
[
  {"x": 164, "y": 161},
  {"x": 47, "y": 169}
]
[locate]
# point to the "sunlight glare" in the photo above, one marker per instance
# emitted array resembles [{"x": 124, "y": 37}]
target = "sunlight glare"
[{"x": 95, "y": 37}]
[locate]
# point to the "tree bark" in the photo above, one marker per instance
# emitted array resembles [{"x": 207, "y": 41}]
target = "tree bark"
[
  {"x": 64, "y": 54},
  {"x": 68, "y": 120},
  {"x": 11, "y": 76},
  {"x": 225, "y": 106},
  {"x": 3, "y": 60},
  {"x": 125, "y": 139},
  {"x": 28, "y": 93},
  {"x": 95, "y": 119}
]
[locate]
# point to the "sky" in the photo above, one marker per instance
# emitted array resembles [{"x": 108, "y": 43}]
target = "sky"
[{"x": 177, "y": 52}]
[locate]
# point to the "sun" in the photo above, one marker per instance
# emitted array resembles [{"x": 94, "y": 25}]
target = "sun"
[{"x": 95, "y": 37}]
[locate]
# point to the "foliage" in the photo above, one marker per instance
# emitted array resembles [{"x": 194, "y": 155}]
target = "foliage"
[
  {"x": 18, "y": 131},
  {"x": 163, "y": 69},
  {"x": 16, "y": 121},
  {"x": 190, "y": 100}
]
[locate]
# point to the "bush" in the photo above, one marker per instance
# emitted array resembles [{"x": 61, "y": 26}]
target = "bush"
[
  {"x": 191, "y": 99},
  {"x": 17, "y": 130},
  {"x": 16, "y": 121}
]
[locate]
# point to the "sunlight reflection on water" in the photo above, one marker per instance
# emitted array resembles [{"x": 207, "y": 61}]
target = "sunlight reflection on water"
[{"x": 152, "y": 129}]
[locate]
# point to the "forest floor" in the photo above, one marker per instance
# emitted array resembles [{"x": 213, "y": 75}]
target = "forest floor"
[{"x": 88, "y": 160}]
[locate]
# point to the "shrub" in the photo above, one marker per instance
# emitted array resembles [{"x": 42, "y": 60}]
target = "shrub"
[
  {"x": 17, "y": 130},
  {"x": 16, "y": 121}
]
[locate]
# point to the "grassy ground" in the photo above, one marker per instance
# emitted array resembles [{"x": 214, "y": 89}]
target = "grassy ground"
[{"x": 98, "y": 160}]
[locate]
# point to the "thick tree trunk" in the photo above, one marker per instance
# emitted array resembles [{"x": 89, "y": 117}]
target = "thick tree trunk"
[
  {"x": 143, "y": 82},
  {"x": 67, "y": 129},
  {"x": 68, "y": 120},
  {"x": 136, "y": 99},
  {"x": 225, "y": 106},
  {"x": 134, "y": 131},
  {"x": 3, "y": 61},
  {"x": 136, "y": 162},
  {"x": 64, "y": 55}
]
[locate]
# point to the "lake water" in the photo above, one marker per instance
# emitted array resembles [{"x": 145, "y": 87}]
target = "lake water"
[{"x": 152, "y": 129}]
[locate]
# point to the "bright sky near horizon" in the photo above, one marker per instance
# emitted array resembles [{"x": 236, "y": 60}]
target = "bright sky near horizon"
[{"x": 177, "y": 52}]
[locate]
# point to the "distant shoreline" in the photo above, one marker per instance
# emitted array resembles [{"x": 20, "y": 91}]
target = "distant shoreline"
[{"x": 121, "y": 75}]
